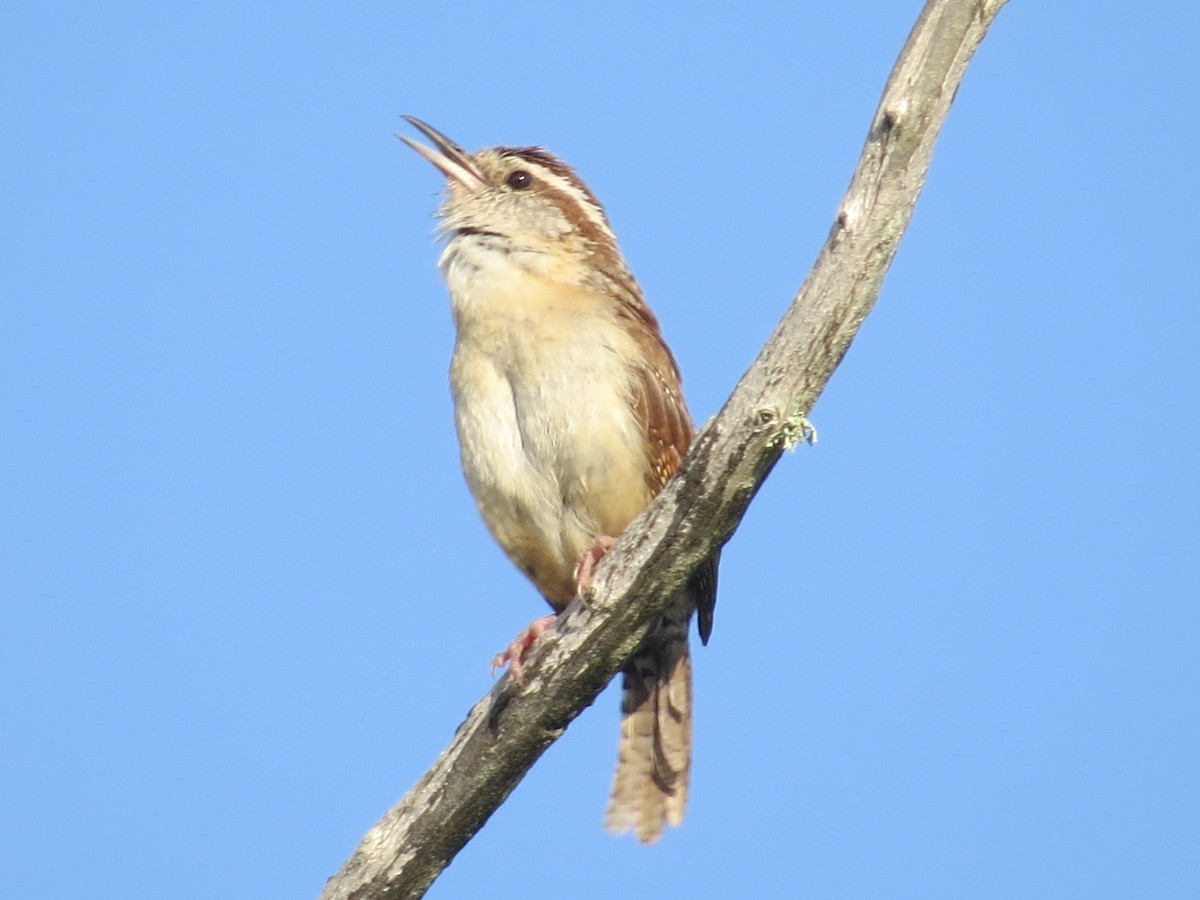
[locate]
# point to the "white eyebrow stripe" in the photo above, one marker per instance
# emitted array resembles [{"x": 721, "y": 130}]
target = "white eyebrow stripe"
[{"x": 582, "y": 198}]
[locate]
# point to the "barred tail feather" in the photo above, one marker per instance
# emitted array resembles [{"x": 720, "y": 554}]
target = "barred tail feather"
[{"x": 654, "y": 755}]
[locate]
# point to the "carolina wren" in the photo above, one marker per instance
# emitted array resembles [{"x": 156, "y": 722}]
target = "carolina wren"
[{"x": 570, "y": 419}]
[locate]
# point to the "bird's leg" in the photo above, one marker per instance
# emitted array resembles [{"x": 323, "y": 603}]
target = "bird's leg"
[
  {"x": 514, "y": 654},
  {"x": 588, "y": 562}
]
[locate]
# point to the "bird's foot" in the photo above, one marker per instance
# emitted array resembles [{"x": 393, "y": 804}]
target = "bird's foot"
[
  {"x": 588, "y": 562},
  {"x": 514, "y": 654}
]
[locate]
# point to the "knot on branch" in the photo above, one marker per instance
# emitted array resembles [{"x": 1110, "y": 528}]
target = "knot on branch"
[
  {"x": 766, "y": 419},
  {"x": 889, "y": 119}
]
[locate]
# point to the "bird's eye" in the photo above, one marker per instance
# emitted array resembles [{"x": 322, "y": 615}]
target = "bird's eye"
[{"x": 519, "y": 180}]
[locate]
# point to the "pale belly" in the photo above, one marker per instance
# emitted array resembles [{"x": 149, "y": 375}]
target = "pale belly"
[{"x": 550, "y": 447}]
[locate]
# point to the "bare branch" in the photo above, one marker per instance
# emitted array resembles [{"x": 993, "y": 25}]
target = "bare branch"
[{"x": 511, "y": 727}]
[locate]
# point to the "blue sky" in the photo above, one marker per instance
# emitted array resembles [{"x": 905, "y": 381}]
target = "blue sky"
[{"x": 244, "y": 594}]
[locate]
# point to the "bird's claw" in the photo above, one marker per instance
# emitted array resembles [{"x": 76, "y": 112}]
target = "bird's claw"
[{"x": 514, "y": 654}]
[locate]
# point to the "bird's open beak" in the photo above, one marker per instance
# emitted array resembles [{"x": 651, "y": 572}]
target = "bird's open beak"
[{"x": 452, "y": 160}]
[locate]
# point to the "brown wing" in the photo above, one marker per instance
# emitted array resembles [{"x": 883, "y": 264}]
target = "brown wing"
[
  {"x": 669, "y": 431},
  {"x": 663, "y": 416}
]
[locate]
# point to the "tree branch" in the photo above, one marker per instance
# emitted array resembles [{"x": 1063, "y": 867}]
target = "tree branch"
[{"x": 506, "y": 731}]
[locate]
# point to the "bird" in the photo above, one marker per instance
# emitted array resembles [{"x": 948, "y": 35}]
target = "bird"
[{"x": 570, "y": 419}]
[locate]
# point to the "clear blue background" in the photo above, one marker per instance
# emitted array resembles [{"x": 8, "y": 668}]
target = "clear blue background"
[{"x": 245, "y": 598}]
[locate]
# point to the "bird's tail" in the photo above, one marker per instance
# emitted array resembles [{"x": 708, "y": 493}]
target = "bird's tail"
[{"x": 654, "y": 757}]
